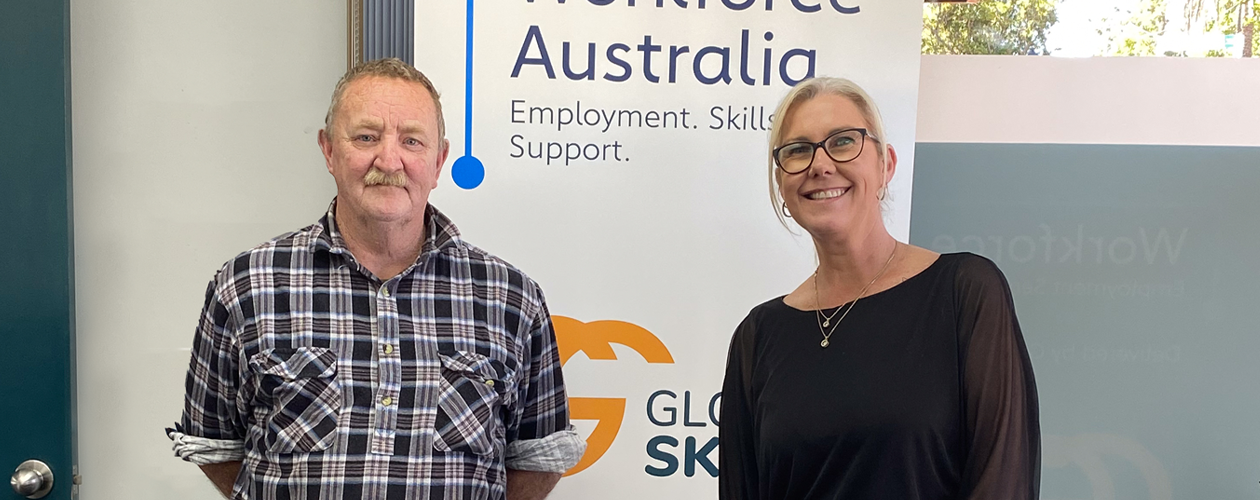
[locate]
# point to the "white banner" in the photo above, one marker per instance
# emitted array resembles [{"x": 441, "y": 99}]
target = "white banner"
[{"x": 618, "y": 156}]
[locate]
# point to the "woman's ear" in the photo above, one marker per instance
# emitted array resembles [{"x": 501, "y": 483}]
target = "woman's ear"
[{"x": 890, "y": 164}]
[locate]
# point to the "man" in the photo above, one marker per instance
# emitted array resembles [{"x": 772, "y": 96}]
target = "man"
[{"x": 375, "y": 354}]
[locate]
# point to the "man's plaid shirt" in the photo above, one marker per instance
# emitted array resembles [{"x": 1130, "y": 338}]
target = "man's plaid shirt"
[{"x": 339, "y": 385}]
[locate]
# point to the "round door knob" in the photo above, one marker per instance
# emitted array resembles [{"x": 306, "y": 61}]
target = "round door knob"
[{"x": 32, "y": 479}]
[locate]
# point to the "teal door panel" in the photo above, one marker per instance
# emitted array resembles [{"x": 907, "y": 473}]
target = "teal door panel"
[
  {"x": 36, "y": 247},
  {"x": 1136, "y": 281}
]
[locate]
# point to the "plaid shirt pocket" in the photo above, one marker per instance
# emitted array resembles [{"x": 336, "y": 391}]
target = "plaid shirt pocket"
[
  {"x": 300, "y": 388},
  {"x": 472, "y": 389}
]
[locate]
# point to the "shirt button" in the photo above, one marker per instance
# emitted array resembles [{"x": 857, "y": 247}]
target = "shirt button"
[
  {"x": 490, "y": 382},
  {"x": 387, "y": 401},
  {"x": 385, "y": 291},
  {"x": 389, "y": 349}
]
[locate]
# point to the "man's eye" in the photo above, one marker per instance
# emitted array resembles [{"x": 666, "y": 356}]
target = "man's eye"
[
  {"x": 364, "y": 138},
  {"x": 410, "y": 141}
]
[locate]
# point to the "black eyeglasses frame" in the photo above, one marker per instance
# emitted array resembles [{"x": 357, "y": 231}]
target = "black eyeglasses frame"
[{"x": 814, "y": 146}]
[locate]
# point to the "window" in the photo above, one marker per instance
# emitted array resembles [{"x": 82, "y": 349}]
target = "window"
[{"x": 1086, "y": 28}]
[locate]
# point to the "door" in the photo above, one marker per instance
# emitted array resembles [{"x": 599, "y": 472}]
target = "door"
[{"x": 36, "y": 247}]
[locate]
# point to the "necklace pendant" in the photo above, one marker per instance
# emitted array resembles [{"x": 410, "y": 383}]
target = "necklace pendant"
[
  {"x": 826, "y": 324},
  {"x": 825, "y": 343}
]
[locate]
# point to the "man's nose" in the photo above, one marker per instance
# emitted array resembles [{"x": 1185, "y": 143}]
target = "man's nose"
[{"x": 389, "y": 156}]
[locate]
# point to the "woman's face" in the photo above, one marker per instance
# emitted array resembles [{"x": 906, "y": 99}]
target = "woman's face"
[{"x": 830, "y": 198}]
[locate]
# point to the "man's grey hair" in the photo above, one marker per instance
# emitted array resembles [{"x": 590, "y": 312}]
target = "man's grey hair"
[{"x": 391, "y": 67}]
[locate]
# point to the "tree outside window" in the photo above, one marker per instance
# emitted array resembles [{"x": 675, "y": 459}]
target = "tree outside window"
[{"x": 1176, "y": 28}]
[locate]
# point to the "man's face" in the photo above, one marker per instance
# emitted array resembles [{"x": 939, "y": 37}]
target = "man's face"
[{"x": 383, "y": 149}]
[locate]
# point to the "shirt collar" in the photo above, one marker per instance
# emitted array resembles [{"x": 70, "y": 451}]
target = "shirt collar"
[{"x": 439, "y": 234}]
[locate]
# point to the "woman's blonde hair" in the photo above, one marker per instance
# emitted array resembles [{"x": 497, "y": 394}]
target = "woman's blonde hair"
[{"x": 805, "y": 91}]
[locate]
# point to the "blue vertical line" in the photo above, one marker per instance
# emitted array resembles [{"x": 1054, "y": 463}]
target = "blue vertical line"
[
  {"x": 468, "y": 172},
  {"x": 468, "y": 79}
]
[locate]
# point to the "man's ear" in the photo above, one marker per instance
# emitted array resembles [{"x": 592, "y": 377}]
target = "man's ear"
[
  {"x": 325, "y": 146},
  {"x": 441, "y": 163}
]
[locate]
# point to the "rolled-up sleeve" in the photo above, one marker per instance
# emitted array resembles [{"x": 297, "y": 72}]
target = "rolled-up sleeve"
[
  {"x": 557, "y": 452},
  {"x": 539, "y": 435},
  {"x": 211, "y": 429}
]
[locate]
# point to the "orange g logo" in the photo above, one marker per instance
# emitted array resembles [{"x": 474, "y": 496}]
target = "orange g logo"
[{"x": 596, "y": 339}]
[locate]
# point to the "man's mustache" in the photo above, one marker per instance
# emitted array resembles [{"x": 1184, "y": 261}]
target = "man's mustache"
[{"x": 375, "y": 177}]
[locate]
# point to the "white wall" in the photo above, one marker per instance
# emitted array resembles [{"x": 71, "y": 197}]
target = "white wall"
[
  {"x": 194, "y": 139},
  {"x": 1101, "y": 100}
]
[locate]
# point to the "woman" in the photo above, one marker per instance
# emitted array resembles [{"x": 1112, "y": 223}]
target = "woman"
[{"x": 892, "y": 372}]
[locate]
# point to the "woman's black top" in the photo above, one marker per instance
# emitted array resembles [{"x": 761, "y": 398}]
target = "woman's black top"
[{"x": 925, "y": 392}]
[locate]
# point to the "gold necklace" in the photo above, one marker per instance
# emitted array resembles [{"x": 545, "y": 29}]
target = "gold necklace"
[
  {"x": 819, "y": 315},
  {"x": 826, "y": 318}
]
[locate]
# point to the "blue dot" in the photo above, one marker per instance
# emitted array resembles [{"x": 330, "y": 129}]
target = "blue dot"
[{"x": 468, "y": 172}]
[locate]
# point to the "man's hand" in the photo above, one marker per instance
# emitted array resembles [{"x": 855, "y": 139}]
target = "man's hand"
[
  {"x": 529, "y": 485},
  {"x": 224, "y": 476}
]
